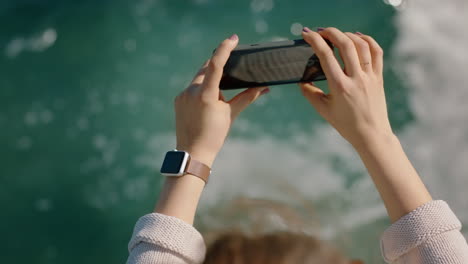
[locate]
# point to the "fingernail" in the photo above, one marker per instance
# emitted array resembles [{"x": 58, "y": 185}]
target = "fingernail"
[
  {"x": 267, "y": 90},
  {"x": 234, "y": 37},
  {"x": 306, "y": 29},
  {"x": 320, "y": 29},
  {"x": 359, "y": 33}
]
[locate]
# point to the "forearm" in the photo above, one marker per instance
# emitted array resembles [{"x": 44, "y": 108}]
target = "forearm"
[
  {"x": 180, "y": 195},
  {"x": 398, "y": 183}
]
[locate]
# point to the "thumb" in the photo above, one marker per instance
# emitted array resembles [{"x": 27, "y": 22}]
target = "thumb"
[
  {"x": 315, "y": 96},
  {"x": 242, "y": 100}
]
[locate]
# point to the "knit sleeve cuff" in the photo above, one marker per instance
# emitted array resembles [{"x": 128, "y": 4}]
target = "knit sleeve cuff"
[
  {"x": 169, "y": 233},
  {"x": 416, "y": 227}
]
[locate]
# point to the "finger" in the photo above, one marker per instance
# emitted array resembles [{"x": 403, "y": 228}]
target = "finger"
[
  {"x": 214, "y": 71},
  {"x": 328, "y": 61},
  {"x": 194, "y": 86},
  {"x": 376, "y": 53},
  {"x": 242, "y": 100},
  {"x": 316, "y": 97},
  {"x": 346, "y": 47},
  {"x": 363, "y": 51},
  {"x": 198, "y": 79}
]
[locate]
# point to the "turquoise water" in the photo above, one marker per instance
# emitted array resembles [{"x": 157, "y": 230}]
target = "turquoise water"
[{"x": 86, "y": 114}]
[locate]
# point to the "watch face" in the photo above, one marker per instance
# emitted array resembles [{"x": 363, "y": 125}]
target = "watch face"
[{"x": 173, "y": 162}]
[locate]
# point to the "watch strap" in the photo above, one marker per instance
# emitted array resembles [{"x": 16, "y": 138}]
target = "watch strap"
[{"x": 198, "y": 169}]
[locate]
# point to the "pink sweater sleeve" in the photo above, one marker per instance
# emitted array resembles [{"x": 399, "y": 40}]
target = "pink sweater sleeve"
[
  {"x": 165, "y": 239},
  {"x": 428, "y": 235}
]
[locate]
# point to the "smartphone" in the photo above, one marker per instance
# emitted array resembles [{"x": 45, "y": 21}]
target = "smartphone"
[{"x": 271, "y": 63}]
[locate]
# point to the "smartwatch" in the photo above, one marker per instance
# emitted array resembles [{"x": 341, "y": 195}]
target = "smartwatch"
[{"x": 178, "y": 163}]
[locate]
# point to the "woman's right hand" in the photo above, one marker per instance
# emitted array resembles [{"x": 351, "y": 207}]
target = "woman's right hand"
[{"x": 356, "y": 105}]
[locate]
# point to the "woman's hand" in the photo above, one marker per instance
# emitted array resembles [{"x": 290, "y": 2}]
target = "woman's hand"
[
  {"x": 203, "y": 116},
  {"x": 203, "y": 119},
  {"x": 356, "y": 104},
  {"x": 356, "y": 108}
]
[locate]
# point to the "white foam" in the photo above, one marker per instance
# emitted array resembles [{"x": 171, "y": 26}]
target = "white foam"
[
  {"x": 261, "y": 26},
  {"x": 432, "y": 58},
  {"x": 258, "y": 6},
  {"x": 37, "y": 43},
  {"x": 268, "y": 168}
]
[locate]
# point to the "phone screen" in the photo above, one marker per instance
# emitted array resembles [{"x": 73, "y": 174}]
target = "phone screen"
[{"x": 271, "y": 63}]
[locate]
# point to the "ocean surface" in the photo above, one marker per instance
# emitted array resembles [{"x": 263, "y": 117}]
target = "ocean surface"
[{"x": 86, "y": 115}]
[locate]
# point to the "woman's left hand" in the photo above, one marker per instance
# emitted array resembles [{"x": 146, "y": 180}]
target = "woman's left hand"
[{"x": 203, "y": 116}]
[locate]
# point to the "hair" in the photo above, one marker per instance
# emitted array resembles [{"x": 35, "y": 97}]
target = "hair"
[
  {"x": 274, "y": 248},
  {"x": 259, "y": 231}
]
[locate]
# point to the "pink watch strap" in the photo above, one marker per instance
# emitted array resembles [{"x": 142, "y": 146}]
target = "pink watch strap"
[{"x": 198, "y": 169}]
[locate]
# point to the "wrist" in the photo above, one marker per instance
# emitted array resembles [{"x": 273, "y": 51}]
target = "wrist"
[
  {"x": 203, "y": 156},
  {"x": 370, "y": 141}
]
